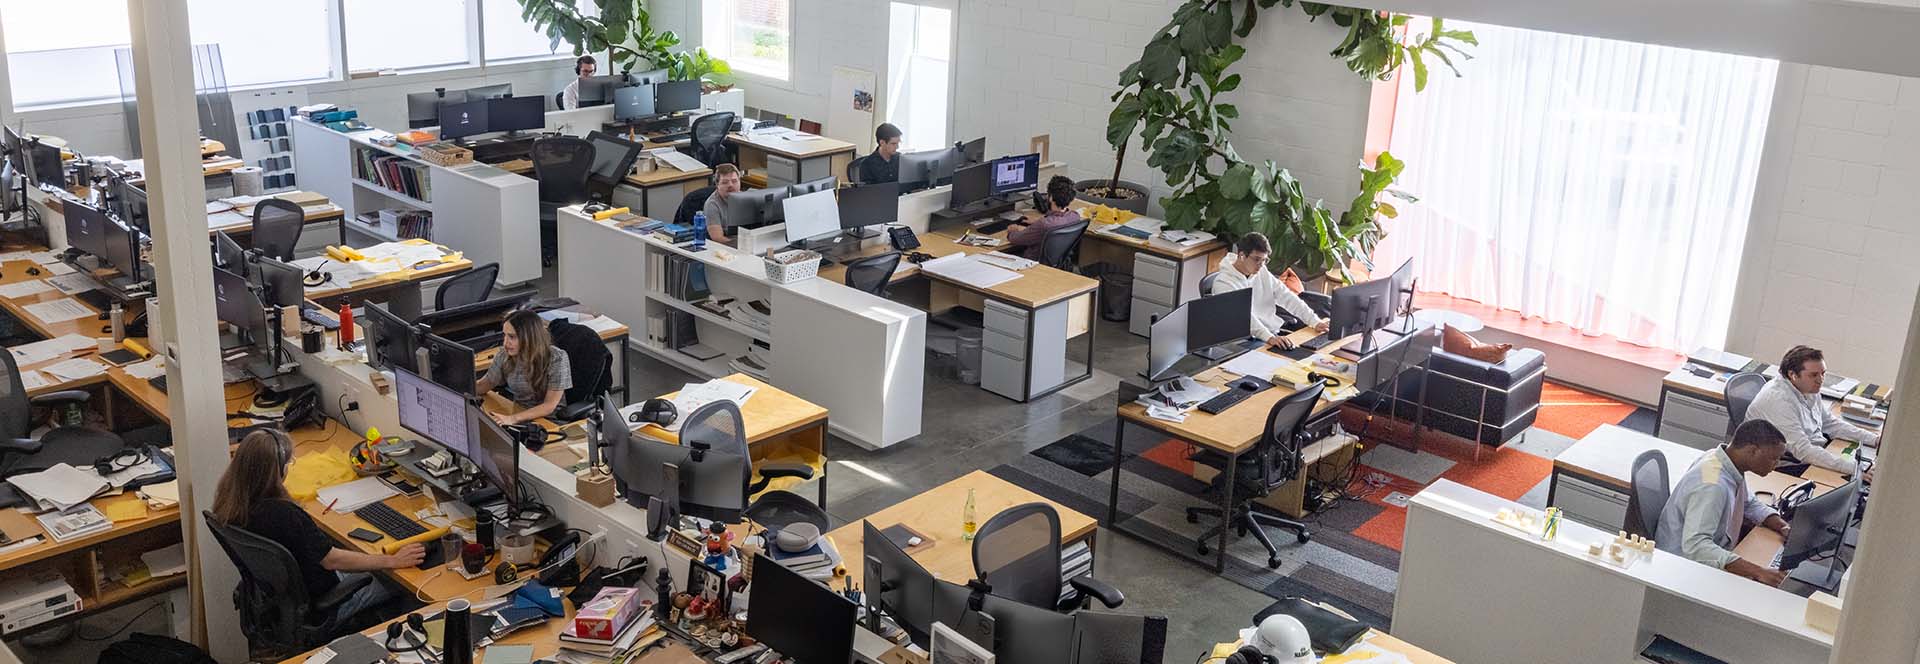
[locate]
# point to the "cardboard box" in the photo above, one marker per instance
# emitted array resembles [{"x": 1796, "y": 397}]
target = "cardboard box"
[{"x": 607, "y": 613}]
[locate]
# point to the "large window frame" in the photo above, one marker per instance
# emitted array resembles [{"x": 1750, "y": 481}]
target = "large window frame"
[{"x": 718, "y": 19}]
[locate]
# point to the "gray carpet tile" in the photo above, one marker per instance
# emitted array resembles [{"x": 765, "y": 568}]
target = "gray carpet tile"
[
  {"x": 1419, "y": 467},
  {"x": 1542, "y": 443}
]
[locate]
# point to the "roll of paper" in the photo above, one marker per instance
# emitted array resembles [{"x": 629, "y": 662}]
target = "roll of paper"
[{"x": 247, "y": 181}]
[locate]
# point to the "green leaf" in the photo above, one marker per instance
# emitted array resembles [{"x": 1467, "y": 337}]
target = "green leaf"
[
  {"x": 1220, "y": 25},
  {"x": 1193, "y": 35},
  {"x": 1160, "y": 62},
  {"x": 1120, "y": 123},
  {"x": 1237, "y": 181},
  {"x": 1248, "y": 17},
  {"x": 1226, "y": 110},
  {"x": 1228, "y": 84},
  {"x": 1419, "y": 70},
  {"x": 1235, "y": 215},
  {"x": 1129, "y": 75},
  {"x": 1388, "y": 210}
]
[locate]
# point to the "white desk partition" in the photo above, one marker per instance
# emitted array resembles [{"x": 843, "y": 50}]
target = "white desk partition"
[{"x": 1473, "y": 590}]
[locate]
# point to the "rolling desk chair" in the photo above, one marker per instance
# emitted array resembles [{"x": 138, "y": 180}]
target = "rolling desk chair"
[
  {"x": 590, "y": 364},
  {"x": 276, "y": 227},
  {"x": 558, "y": 97},
  {"x": 694, "y": 202},
  {"x": 853, "y": 170},
  {"x": 1061, "y": 246},
  {"x": 1648, "y": 495},
  {"x": 1740, "y": 390},
  {"x": 276, "y": 613},
  {"x": 707, "y": 140},
  {"x": 20, "y": 453},
  {"x": 1206, "y": 283},
  {"x": 720, "y": 426},
  {"x": 1275, "y": 460},
  {"x": 873, "y": 273},
  {"x": 470, "y": 287},
  {"x": 1017, "y": 554},
  {"x": 562, "y": 164}
]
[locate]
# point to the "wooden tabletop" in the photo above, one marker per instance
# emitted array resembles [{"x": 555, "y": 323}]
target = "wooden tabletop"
[
  {"x": 1154, "y": 245},
  {"x": 770, "y": 412},
  {"x": 818, "y": 146},
  {"x": 1714, "y": 388},
  {"x": 408, "y": 275},
  {"x": 1606, "y": 455},
  {"x": 1037, "y": 286},
  {"x": 665, "y": 175},
  {"x": 1236, "y": 429},
  {"x": 936, "y": 514}
]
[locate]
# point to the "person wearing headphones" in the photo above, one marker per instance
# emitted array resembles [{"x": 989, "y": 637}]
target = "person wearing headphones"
[
  {"x": 726, "y": 181},
  {"x": 583, "y": 68},
  {"x": 1028, "y": 239},
  {"x": 883, "y": 165},
  {"x": 252, "y": 496},
  {"x": 1247, "y": 268}
]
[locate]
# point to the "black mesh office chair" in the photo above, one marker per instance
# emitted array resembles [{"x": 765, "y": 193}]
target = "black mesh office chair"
[
  {"x": 1275, "y": 460},
  {"x": 853, "y": 169},
  {"x": 1061, "y": 246},
  {"x": 720, "y": 426},
  {"x": 707, "y": 141},
  {"x": 73, "y": 445},
  {"x": 1206, "y": 283},
  {"x": 873, "y": 273},
  {"x": 562, "y": 164},
  {"x": 1114, "y": 638},
  {"x": 276, "y": 227},
  {"x": 1649, "y": 492},
  {"x": 1740, "y": 390},
  {"x": 694, "y": 202},
  {"x": 472, "y": 286},
  {"x": 590, "y": 364},
  {"x": 278, "y": 616},
  {"x": 559, "y": 99},
  {"x": 1017, "y": 553}
]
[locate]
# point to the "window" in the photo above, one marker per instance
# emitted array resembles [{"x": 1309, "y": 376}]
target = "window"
[
  {"x": 382, "y": 34},
  {"x": 61, "y": 52},
  {"x": 1600, "y": 184},
  {"x": 919, "y": 59},
  {"x": 509, "y": 37},
  {"x": 294, "y": 46},
  {"x": 753, "y": 36}
]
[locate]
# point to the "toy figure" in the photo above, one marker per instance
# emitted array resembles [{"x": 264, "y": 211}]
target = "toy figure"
[{"x": 719, "y": 544}]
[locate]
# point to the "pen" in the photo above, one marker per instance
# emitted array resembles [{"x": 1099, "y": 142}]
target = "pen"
[{"x": 329, "y": 507}]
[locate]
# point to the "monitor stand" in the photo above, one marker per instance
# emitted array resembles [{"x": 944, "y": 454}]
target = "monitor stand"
[
  {"x": 1824, "y": 575},
  {"x": 1229, "y": 350}
]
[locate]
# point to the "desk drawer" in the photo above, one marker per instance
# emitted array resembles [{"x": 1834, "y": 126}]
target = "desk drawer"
[
  {"x": 1140, "y": 320},
  {"x": 1597, "y": 505},
  {"x": 782, "y": 171},
  {"x": 1010, "y": 346},
  {"x": 1154, "y": 269},
  {"x": 1155, "y": 293},
  {"x": 1002, "y": 375},
  {"x": 1005, "y": 319},
  {"x": 1690, "y": 412}
]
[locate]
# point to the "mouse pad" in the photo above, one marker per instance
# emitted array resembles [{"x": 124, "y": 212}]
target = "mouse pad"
[
  {"x": 120, "y": 357},
  {"x": 898, "y": 534}
]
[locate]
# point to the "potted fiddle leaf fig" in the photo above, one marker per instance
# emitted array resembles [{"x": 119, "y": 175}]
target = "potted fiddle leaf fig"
[{"x": 624, "y": 31}]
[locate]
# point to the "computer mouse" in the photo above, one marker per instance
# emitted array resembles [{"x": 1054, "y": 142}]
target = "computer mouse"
[{"x": 33, "y": 271}]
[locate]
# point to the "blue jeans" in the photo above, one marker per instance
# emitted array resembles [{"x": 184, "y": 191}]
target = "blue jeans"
[{"x": 372, "y": 595}]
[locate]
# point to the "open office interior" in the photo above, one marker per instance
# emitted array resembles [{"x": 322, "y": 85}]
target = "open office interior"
[{"x": 1093, "y": 331}]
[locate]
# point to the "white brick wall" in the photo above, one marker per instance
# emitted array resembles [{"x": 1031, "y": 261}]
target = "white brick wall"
[{"x": 1830, "y": 257}]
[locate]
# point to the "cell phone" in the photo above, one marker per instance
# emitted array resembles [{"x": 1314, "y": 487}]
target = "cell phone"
[{"x": 365, "y": 535}]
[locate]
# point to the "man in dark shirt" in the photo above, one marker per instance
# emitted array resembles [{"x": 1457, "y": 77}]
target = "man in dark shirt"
[
  {"x": 883, "y": 165},
  {"x": 1027, "y": 241}
]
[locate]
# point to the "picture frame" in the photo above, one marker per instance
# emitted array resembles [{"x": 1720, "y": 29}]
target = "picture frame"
[{"x": 948, "y": 646}]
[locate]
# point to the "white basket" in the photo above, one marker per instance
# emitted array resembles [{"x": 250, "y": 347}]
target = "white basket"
[{"x": 790, "y": 266}]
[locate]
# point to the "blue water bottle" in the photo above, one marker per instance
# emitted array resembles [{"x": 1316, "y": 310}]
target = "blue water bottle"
[{"x": 699, "y": 230}]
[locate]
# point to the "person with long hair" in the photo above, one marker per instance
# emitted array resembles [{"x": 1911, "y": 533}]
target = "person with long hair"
[
  {"x": 253, "y": 496},
  {"x": 535, "y": 373}
]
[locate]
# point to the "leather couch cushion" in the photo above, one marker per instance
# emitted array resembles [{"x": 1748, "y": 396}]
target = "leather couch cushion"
[{"x": 1461, "y": 343}]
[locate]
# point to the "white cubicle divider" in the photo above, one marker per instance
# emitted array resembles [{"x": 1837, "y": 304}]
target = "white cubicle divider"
[
  {"x": 1473, "y": 590},
  {"x": 860, "y": 356},
  {"x": 490, "y": 215}
]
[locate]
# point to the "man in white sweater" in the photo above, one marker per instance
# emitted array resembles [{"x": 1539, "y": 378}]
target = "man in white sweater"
[
  {"x": 1792, "y": 403},
  {"x": 1247, "y": 268}
]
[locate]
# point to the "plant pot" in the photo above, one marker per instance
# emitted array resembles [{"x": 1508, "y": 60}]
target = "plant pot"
[{"x": 1136, "y": 204}]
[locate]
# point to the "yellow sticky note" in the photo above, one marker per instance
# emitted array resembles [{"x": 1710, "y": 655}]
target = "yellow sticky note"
[{"x": 124, "y": 510}]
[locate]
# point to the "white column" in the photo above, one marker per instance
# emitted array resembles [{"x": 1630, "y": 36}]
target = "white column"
[
  {"x": 169, "y": 137},
  {"x": 1877, "y": 623}
]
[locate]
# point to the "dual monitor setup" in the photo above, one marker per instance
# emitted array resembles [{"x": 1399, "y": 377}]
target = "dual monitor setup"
[
  {"x": 39, "y": 161},
  {"x": 441, "y": 345},
  {"x": 982, "y": 182},
  {"x": 451, "y": 420},
  {"x": 638, "y": 97},
  {"x": 912, "y": 597},
  {"x": 815, "y": 208},
  {"x": 1212, "y": 326},
  {"x": 473, "y": 111},
  {"x": 113, "y": 232},
  {"x": 250, "y": 289}
]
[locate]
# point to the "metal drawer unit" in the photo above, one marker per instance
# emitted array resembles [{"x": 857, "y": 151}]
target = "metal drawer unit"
[
  {"x": 1156, "y": 290},
  {"x": 1691, "y": 420},
  {"x": 782, "y": 171},
  {"x": 1599, "y": 505},
  {"x": 1015, "y": 361}
]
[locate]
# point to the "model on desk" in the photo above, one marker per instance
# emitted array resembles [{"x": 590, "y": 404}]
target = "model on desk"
[
  {"x": 535, "y": 372},
  {"x": 1700, "y": 521},
  {"x": 1248, "y": 269},
  {"x": 1027, "y": 241},
  {"x": 884, "y": 164},
  {"x": 253, "y": 496},
  {"x": 726, "y": 181},
  {"x": 1791, "y": 401}
]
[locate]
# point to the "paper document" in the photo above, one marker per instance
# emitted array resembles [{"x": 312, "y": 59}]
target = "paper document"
[
  {"x": 23, "y": 289},
  {"x": 677, "y": 159},
  {"x": 73, "y": 283},
  {"x": 75, "y": 369},
  {"x": 1008, "y": 261},
  {"x": 968, "y": 270},
  {"x": 601, "y": 324},
  {"x": 58, "y": 269},
  {"x": 1255, "y": 363},
  {"x": 356, "y": 494},
  {"x": 61, "y": 486},
  {"x": 41, "y": 351},
  {"x": 166, "y": 562},
  {"x": 227, "y": 219},
  {"x": 59, "y": 311},
  {"x": 16, "y": 256},
  {"x": 150, "y": 368},
  {"x": 162, "y": 495},
  {"x": 339, "y": 275},
  {"x": 694, "y": 395},
  {"x": 216, "y": 207},
  {"x": 44, "y": 257},
  {"x": 1720, "y": 359},
  {"x": 560, "y": 314}
]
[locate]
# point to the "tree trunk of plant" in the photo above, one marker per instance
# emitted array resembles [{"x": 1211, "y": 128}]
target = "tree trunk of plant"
[{"x": 1119, "y": 159}]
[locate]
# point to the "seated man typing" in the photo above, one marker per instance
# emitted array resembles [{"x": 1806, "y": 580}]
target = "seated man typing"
[
  {"x": 1706, "y": 512},
  {"x": 1247, "y": 268},
  {"x": 1792, "y": 403}
]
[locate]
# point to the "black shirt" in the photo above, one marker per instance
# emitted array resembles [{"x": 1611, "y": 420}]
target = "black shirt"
[
  {"x": 284, "y": 523},
  {"x": 874, "y": 170}
]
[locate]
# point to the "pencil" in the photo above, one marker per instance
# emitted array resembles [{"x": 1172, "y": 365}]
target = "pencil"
[{"x": 329, "y": 507}]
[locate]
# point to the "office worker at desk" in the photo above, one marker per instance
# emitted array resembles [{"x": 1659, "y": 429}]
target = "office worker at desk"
[
  {"x": 1248, "y": 269},
  {"x": 884, "y": 164},
  {"x": 726, "y": 181},
  {"x": 1792, "y": 402},
  {"x": 252, "y": 496},
  {"x": 534, "y": 371},
  {"x": 1706, "y": 513},
  {"x": 1027, "y": 240},
  {"x": 583, "y": 68}
]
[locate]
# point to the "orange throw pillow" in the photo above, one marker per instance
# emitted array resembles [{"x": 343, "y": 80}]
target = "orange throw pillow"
[
  {"x": 1292, "y": 281},
  {"x": 1462, "y": 344}
]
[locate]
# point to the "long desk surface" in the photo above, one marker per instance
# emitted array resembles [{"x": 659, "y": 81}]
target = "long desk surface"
[
  {"x": 1236, "y": 429},
  {"x": 936, "y": 514},
  {"x": 408, "y": 275},
  {"x": 1037, "y": 286},
  {"x": 1154, "y": 245}
]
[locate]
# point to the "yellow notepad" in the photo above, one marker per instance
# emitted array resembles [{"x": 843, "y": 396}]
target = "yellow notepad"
[{"x": 123, "y": 508}]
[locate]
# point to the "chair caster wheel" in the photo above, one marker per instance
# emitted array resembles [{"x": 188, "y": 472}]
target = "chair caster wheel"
[
  {"x": 1193, "y": 518},
  {"x": 1304, "y": 537},
  {"x": 1202, "y": 549},
  {"x": 1273, "y": 563}
]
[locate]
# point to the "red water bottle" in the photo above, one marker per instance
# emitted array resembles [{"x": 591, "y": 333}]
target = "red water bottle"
[{"x": 346, "y": 326}]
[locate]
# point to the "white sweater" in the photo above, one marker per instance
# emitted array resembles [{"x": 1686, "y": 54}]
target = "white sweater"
[{"x": 1269, "y": 298}]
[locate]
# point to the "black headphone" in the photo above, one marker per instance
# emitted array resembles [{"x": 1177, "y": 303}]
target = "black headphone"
[
  {"x": 1042, "y": 203},
  {"x": 1248, "y": 655},
  {"x": 581, "y": 61},
  {"x": 121, "y": 460},
  {"x": 595, "y": 207},
  {"x": 657, "y": 411},
  {"x": 414, "y": 630}
]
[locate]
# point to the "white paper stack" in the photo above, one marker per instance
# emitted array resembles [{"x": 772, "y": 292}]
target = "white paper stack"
[
  {"x": 41, "y": 351},
  {"x": 356, "y": 494},
  {"x": 165, "y": 562},
  {"x": 59, "y": 311},
  {"x": 75, "y": 369},
  {"x": 968, "y": 270},
  {"x": 22, "y": 289},
  {"x": 1256, "y": 363},
  {"x": 73, "y": 283},
  {"x": 59, "y": 487}
]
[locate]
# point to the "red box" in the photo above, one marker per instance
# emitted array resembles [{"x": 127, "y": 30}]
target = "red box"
[{"x": 607, "y": 614}]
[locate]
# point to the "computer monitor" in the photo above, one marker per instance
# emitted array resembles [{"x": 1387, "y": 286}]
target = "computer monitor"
[
  {"x": 495, "y": 91},
  {"x": 496, "y": 454},
  {"x": 235, "y": 303},
  {"x": 611, "y": 434},
  {"x": 464, "y": 119},
  {"x": 87, "y": 228},
  {"x": 476, "y": 325},
  {"x": 1218, "y": 319},
  {"x": 871, "y": 204},
  {"x": 676, "y": 96},
  {"x": 281, "y": 282},
  {"x": 755, "y": 207},
  {"x": 133, "y": 205},
  {"x": 711, "y": 485},
  {"x": 811, "y": 216},
  {"x": 1403, "y": 286},
  {"x": 1167, "y": 343},
  {"x": 799, "y": 618},
  {"x": 390, "y": 339},
  {"x": 649, "y": 77},
  {"x": 612, "y": 156},
  {"x": 515, "y": 113},
  {"x": 122, "y": 246},
  {"x": 974, "y": 151},
  {"x": 818, "y": 184},
  {"x": 1024, "y": 634},
  {"x": 43, "y": 163},
  {"x": 971, "y": 185},
  {"x": 450, "y": 362},
  {"x": 896, "y": 583},
  {"x": 1362, "y": 308},
  {"x": 227, "y": 253},
  {"x": 633, "y": 102},
  {"x": 423, "y": 108},
  {"x": 929, "y": 168},
  {"x": 1011, "y": 174},
  {"x": 598, "y": 90},
  {"x": 433, "y": 411},
  {"x": 1820, "y": 527}
]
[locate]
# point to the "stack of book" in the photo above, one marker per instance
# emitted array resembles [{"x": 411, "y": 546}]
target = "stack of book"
[
  {"x": 606, "y": 648},
  {"x": 756, "y": 314},
  {"x": 83, "y": 519},
  {"x": 393, "y": 173},
  {"x": 757, "y": 362},
  {"x": 816, "y": 563},
  {"x": 674, "y": 233}
]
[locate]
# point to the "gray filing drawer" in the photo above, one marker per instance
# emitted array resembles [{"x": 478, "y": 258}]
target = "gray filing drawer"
[
  {"x": 1010, "y": 346},
  {"x": 1148, "y": 267},
  {"x": 1140, "y": 320},
  {"x": 1006, "y": 319},
  {"x": 1002, "y": 375},
  {"x": 1156, "y": 293},
  {"x": 1692, "y": 421},
  {"x": 1598, "y": 505},
  {"x": 782, "y": 171}
]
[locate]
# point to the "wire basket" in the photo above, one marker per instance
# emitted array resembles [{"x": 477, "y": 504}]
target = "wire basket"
[{"x": 788, "y": 267}]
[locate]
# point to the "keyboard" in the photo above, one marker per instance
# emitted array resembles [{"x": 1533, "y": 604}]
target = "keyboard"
[
  {"x": 312, "y": 314},
  {"x": 389, "y": 521},
  {"x": 96, "y": 299},
  {"x": 1237, "y": 391},
  {"x": 1316, "y": 343},
  {"x": 670, "y": 138}
]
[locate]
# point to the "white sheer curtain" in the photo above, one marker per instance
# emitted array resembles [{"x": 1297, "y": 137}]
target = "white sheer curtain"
[{"x": 1596, "y": 183}]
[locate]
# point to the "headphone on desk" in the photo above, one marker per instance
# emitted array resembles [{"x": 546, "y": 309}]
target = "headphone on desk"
[
  {"x": 414, "y": 630},
  {"x": 1248, "y": 655}
]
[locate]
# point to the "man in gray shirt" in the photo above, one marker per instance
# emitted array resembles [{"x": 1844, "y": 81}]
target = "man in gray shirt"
[
  {"x": 726, "y": 181},
  {"x": 1706, "y": 513},
  {"x": 1792, "y": 402}
]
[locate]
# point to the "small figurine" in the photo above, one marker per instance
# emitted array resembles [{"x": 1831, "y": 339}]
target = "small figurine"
[{"x": 719, "y": 544}]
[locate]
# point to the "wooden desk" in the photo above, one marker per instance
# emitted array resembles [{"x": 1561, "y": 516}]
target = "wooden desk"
[
  {"x": 545, "y": 637},
  {"x": 791, "y": 161},
  {"x": 780, "y": 427},
  {"x": 243, "y": 230},
  {"x": 1693, "y": 408},
  {"x": 1373, "y": 640},
  {"x": 401, "y": 289},
  {"x": 660, "y": 192},
  {"x": 136, "y": 390},
  {"x": 936, "y": 513}
]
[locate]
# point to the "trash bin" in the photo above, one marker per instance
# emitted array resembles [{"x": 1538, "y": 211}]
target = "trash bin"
[
  {"x": 970, "y": 342},
  {"x": 1116, "y": 291},
  {"x": 943, "y": 353}
]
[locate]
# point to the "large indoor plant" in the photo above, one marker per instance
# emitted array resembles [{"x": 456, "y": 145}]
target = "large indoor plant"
[
  {"x": 1169, "y": 99},
  {"x": 624, "y": 31}
]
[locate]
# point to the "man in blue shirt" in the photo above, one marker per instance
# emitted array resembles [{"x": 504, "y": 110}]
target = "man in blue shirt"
[{"x": 1706, "y": 513}]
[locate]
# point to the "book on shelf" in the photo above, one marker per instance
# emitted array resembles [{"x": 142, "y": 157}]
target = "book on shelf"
[
  {"x": 393, "y": 173},
  {"x": 82, "y": 519}
]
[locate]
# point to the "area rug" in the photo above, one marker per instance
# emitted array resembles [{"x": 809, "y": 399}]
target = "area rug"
[{"x": 1574, "y": 413}]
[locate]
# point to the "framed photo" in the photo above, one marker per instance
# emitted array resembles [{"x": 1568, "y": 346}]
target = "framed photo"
[
  {"x": 949, "y": 647},
  {"x": 708, "y": 583}
]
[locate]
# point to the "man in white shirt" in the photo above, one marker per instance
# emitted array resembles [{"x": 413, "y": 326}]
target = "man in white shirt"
[
  {"x": 1792, "y": 403},
  {"x": 583, "y": 68},
  {"x": 1711, "y": 504},
  {"x": 1247, "y": 268}
]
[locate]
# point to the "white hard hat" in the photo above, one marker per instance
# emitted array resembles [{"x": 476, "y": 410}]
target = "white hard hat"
[{"x": 1283, "y": 638}]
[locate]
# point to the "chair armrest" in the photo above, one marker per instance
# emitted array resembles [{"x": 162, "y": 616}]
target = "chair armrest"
[
  {"x": 772, "y": 470},
  {"x": 1521, "y": 363},
  {"x": 1097, "y": 589},
  {"x": 570, "y": 412},
  {"x": 62, "y": 396},
  {"x": 19, "y": 445},
  {"x": 341, "y": 591}
]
